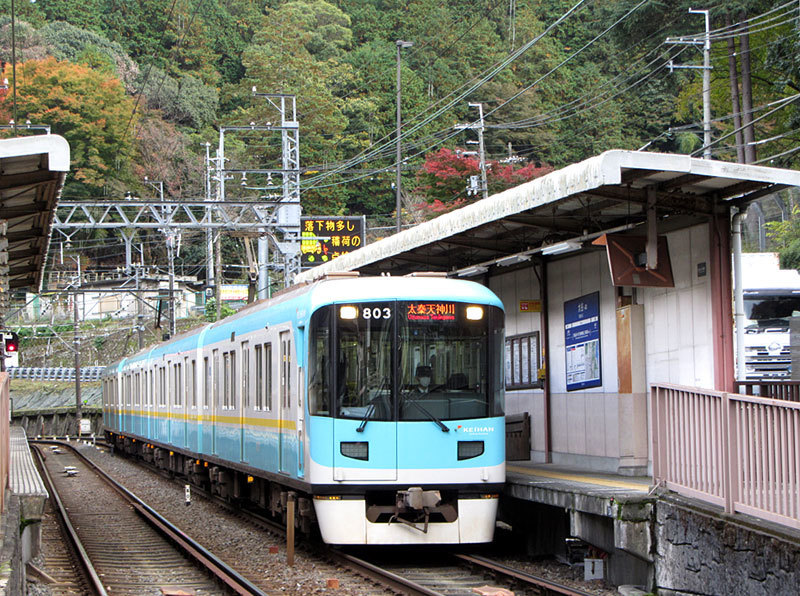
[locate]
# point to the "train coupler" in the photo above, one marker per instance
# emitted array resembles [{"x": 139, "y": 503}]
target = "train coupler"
[{"x": 413, "y": 506}]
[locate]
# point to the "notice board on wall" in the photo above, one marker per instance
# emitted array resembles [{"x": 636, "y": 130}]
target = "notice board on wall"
[{"x": 582, "y": 342}]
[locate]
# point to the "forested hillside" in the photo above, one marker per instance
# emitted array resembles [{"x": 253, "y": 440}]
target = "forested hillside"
[{"x": 138, "y": 87}]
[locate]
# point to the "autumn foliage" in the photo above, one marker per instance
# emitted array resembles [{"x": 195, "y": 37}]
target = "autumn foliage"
[
  {"x": 87, "y": 107},
  {"x": 444, "y": 177}
]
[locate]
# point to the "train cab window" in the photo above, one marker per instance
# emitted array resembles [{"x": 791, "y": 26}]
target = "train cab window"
[
  {"x": 364, "y": 366},
  {"x": 318, "y": 361},
  {"x": 447, "y": 367}
]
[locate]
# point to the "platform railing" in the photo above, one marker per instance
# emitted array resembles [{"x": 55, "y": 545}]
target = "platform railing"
[
  {"x": 788, "y": 390},
  {"x": 5, "y": 437},
  {"x": 737, "y": 451}
]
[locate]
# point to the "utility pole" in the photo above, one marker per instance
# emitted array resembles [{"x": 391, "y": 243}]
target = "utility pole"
[
  {"x": 76, "y": 346},
  {"x": 170, "y": 240},
  {"x": 706, "y": 84},
  {"x": 139, "y": 311},
  {"x": 479, "y": 126},
  {"x": 209, "y": 233},
  {"x": 398, "y": 196},
  {"x": 706, "y": 68}
]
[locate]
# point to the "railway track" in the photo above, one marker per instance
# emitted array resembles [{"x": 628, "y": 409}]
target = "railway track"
[
  {"x": 402, "y": 571},
  {"x": 123, "y": 547}
]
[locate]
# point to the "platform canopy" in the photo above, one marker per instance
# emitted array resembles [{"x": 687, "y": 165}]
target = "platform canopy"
[
  {"x": 32, "y": 172},
  {"x": 566, "y": 208}
]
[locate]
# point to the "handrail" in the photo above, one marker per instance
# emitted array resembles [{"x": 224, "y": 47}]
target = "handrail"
[
  {"x": 741, "y": 452},
  {"x": 776, "y": 389}
]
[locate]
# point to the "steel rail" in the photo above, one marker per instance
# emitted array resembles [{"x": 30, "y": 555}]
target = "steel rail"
[
  {"x": 220, "y": 570},
  {"x": 516, "y": 574},
  {"x": 92, "y": 577}
]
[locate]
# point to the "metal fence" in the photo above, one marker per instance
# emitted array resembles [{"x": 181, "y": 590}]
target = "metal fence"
[
  {"x": 55, "y": 373},
  {"x": 737, "y": 451},
  {"x": 788, "y": 390}
]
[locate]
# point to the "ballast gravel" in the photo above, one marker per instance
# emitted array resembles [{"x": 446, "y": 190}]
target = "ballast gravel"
[{"x": 247, "y": 548}]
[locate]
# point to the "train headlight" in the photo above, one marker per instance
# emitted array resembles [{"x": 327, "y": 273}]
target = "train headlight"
[
  {"x": 355, "y": 449},
  {"x": 474, "y": 313},
  {"x": 348, "y": 312},
  {"x": 469, "y": 449}
]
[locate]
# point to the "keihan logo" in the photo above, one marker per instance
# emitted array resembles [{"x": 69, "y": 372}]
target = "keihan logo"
[{"x": 475, "y": 430}]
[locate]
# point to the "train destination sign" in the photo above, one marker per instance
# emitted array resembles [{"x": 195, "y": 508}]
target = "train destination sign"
[
  {"x": 431, "y": 311},
  {"x": 324, "y": 238}
]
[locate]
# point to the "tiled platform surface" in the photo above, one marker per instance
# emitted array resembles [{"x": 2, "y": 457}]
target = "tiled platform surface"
[
  {"x": 23, "y": 479},
  {"x": 573, "y": 489}
]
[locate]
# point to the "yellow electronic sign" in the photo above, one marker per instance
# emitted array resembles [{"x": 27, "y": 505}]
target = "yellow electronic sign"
[{"x": 325, "y": 238}]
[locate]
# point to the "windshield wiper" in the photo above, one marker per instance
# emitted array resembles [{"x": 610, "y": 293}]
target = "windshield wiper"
[
  {"x": 430, "y": 416},
  {"x": 365, "y": 419},
  {"x": 371, "y": 407}
]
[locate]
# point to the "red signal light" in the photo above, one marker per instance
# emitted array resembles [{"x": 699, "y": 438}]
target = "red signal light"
[{"x": 12, "y": 341}]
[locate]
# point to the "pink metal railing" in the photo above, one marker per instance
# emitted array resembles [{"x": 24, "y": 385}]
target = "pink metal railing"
[
  {"x": 778, "y": 389},
  {"x": 740, "y": 452},
  {"x": 5, "y": 437}
]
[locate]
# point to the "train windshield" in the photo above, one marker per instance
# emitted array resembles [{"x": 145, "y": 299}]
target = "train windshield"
[{"x": 406, "y": 360}]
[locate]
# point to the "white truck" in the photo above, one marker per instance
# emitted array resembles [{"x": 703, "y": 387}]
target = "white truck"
[{"x": 771, "y": 296}]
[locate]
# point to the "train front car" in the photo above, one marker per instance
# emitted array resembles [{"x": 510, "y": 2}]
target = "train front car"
[{"x": 405, "y": 399}]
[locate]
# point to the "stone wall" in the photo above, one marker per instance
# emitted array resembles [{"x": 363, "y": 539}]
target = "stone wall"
[
  {"x": 700, "y": 550},
  {"x": 12, "y": 574}
]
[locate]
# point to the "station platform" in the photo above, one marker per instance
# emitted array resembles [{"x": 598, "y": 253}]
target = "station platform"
[
  {"x": 552, "y": 504},
  {"x": 572, "y": 488},
  {"x": 23, "y": 477}
]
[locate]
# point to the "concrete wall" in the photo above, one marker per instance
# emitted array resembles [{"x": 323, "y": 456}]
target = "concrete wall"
[
  {"x": 678, "y": 320},
  {"x": 601, "y": 428}
]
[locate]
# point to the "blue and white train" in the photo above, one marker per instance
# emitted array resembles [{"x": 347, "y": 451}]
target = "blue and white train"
[{"x": 321, "y": 391}]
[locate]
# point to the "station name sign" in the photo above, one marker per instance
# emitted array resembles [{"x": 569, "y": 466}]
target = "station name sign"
[{"x": 324, "y": 238}]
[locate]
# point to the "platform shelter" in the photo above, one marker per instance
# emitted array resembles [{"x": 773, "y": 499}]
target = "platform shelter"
[
  {"x": 32, "y": 174},
  {"x": 615, "y": 274}
]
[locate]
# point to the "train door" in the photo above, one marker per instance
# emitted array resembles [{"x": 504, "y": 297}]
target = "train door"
[
  {"x": 284, "y": 409},
  {"x": 128, "y": 406},
  {"x": 214, "y": 398},
  {"x": 187, "y": 396},
  {"x": 244, "y": 402},
  {"x": 364, "y": 426}
]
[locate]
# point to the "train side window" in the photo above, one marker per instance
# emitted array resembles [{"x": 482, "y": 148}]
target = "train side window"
[
  {"x": 286, "y": 367},
  {"x": 162, "y": 398},
  {"x": 192, "y": 382},
  {"x": 232, "y": 403},
  {"x": 319, "y": 359},
  {"x": 177, "y": 388},
  {"x": 258, "y": 353},
  {"x": 206, "y": 382},
  {"x": 226, "y": 381},
  {"x": 215, "y": 378},
  {"x": 268, "y": 377},
  {"x": 245, "y": 375}
]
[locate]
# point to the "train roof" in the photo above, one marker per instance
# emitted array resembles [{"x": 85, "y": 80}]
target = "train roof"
[{"x": 298, "y": 302}]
